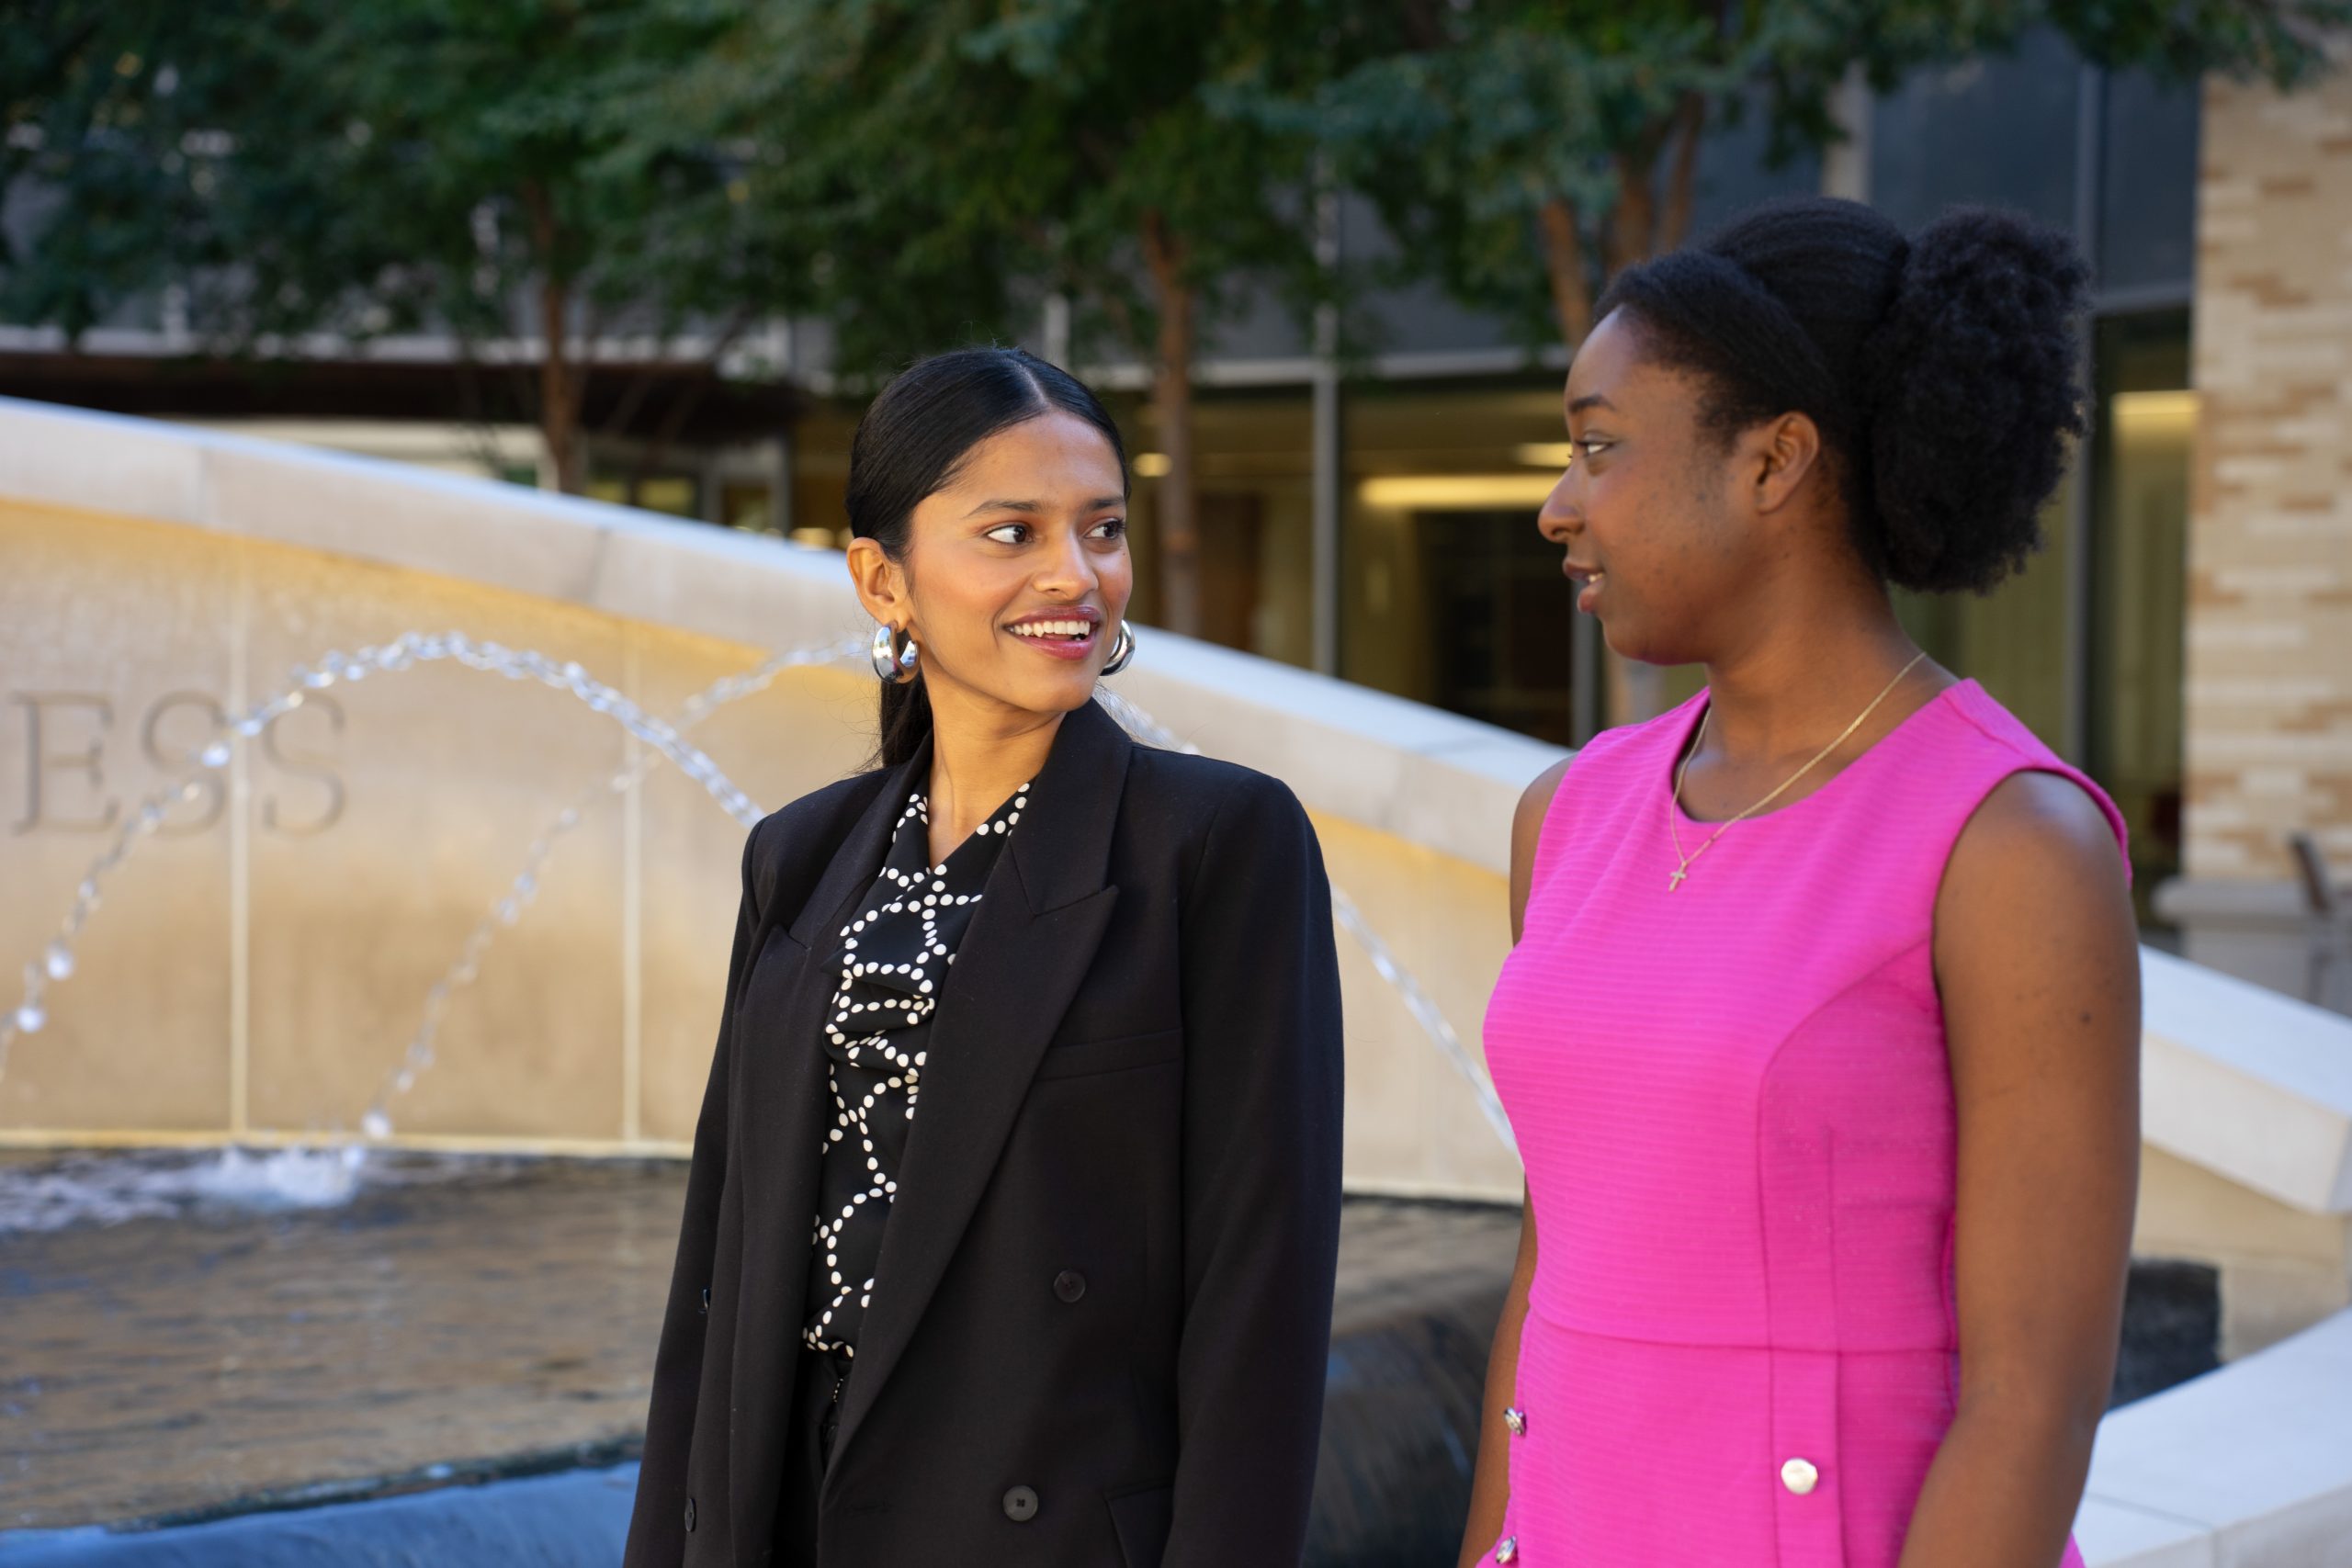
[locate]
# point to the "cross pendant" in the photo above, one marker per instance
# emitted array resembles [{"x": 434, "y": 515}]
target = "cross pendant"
[{"x": 1679, "y": 873}]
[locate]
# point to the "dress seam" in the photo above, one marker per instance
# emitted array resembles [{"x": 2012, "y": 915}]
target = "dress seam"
[{"x": 1552, "y": 1322}]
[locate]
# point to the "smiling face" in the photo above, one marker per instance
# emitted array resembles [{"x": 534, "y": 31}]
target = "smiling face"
[
  {"x": 1015, "y": 576},
  {"x": 1670, "y": 528}
]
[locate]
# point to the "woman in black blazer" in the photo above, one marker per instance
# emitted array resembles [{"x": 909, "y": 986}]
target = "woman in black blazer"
[{"x": 1009, "y": 1233}]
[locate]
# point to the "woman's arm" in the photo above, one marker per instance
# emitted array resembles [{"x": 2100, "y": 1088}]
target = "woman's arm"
[
  {"x": 1490, "y": 1482},
  {"x": 656, "y": 1528},
  {"x": 1260, "y": 1182},
  {"x": 2037, "y": 957}
]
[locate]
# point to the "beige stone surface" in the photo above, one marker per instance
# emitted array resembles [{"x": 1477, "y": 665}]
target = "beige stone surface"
[
  {"x": 1412, "y": 1123},
  {"x": 809, "y": 728},
  {"x": 2270, "y": 693},
  {"x": 429, "y": 785},
  {"x": 112, "y": 648},
  {"x": 261, "y": 966}
]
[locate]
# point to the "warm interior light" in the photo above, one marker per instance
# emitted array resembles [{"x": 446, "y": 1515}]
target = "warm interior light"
[
  {"x": 1456, "y": 493},
  {"x": 1544, "y": 454},
  {"x": 1152, "y": 465},
  {"x": 2154, "y": 414},
  {"x": 815, "y": 538}
]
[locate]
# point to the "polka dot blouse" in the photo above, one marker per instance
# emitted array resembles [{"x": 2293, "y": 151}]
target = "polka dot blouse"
[{"x": 893, "y": 959}]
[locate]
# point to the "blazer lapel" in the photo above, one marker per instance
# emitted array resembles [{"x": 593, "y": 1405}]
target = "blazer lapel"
[
  {"x": 1041, "y": 918},
  {"x": 777, "y": 1121}
]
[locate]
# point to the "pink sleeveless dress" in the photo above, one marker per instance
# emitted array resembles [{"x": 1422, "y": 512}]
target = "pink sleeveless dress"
[{"x": 1735, "y": 1114}]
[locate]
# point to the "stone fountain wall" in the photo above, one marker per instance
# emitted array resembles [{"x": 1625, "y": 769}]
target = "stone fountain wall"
[{"x": 258, "y": 965}]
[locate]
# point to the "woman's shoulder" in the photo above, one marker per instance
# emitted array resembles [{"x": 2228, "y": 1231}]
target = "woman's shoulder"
[
  {"x": 821, "y": 809},
  {"x": 1206, "y": 812},
  {"x": 799, "y": 839},
  {"x": 1189, "y": 790}
]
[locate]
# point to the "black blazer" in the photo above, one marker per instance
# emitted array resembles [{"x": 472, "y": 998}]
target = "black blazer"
[{"x": 1134, "y": 1079}]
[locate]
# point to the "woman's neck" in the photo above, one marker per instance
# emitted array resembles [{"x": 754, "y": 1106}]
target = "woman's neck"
[
  {"x": 979, "y": 756},
  {"x": 1795, "y": 687}
]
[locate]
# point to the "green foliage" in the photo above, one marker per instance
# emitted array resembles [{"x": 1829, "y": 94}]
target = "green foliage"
[
  {"x": 1495, "y": 109},
  {"x": 962, "y": 157},
  {"x": 307, "y": 166},
  {"x": 916, "y": 174}
]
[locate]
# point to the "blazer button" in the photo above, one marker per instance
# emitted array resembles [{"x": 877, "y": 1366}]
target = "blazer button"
[
  {"x": 1507, "y": 1549},
  {"x": 1020, "y": 1505},
  {"x": 690, "y": 1514},
  {"x": 706, "y": 1300},
  {"x": 1516, "y": 1420},
  {"x": 1069, "y": 1284},
  {"x": 1800, "y": 1476}
]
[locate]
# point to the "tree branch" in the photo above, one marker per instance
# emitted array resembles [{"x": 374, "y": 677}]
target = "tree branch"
[{"x": 559, "y": 390}]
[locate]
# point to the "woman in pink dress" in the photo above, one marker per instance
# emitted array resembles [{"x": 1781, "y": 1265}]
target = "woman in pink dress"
[{"x": 1821, "y": 1033}]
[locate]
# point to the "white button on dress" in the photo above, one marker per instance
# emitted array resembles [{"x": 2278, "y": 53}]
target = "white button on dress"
[{"x": 1800, "y": 1476}]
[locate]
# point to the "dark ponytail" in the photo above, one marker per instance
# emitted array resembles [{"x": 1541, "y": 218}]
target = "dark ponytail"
[
  {"x": 915, "y": 436},
  {"x": 1942, "y": 370}
]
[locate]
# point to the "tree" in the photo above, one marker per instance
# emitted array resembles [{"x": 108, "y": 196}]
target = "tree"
[
  {"x": 1001, "y": 150},
  {"x": 308, "y": 169},
  {"x": 1522, "y": 151},
  {"x": 1160, "y": 197}
]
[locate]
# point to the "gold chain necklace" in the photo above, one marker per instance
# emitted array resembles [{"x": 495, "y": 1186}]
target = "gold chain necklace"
[{"x": 1674, "y": 802}]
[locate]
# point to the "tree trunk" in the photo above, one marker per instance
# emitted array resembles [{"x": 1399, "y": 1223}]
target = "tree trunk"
[
  {"x": 1177, "y": 512},
  {"x": 1632, "y": 227},
  {"x": 1564, "y": 263},
  {"x": 559, "y": 387},
  {"x": 1681, "y": 175},
  {"x": 559, "y": 392}
]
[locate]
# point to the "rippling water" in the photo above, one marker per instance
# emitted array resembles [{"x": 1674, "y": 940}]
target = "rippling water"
[
  {"x": 190, "y": 1333},
  {"x": 194, "y": 1334}
]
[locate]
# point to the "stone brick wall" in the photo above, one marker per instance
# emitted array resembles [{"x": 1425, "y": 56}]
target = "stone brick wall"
[{"x": 2270, "y": 693}]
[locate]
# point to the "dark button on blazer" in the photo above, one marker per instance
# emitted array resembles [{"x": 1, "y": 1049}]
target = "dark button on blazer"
[{"x": 1106, "y": 1283}]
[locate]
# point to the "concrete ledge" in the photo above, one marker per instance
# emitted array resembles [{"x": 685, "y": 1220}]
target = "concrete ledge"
[
  {"x": 2248, "y": 1467},
  {"x": 2247, "y": 1083},
  {"x": 2268, "y": 906}
]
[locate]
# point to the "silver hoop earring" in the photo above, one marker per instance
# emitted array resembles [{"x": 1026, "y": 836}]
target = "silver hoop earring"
[
  {"x": 1123, "y": 651},
  {"x": 891, "y": 662}
]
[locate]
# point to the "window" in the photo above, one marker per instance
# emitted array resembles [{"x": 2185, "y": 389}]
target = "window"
[{"x": 1449, "y": 596}]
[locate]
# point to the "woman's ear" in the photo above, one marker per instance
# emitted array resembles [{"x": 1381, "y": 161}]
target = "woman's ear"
[
  {"x": 881, "y": 583},
  {"x": 1781, "y": 453}
]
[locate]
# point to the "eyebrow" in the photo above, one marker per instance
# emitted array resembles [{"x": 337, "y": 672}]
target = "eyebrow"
[
  {"x": 1591, "y": 400},
  {"x": 1034, "y": 507}
]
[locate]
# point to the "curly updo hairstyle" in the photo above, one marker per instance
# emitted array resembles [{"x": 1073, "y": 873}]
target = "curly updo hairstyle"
[
  {"x": 913, "y": 442},
  {"x": 1942, "y": 369}
]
